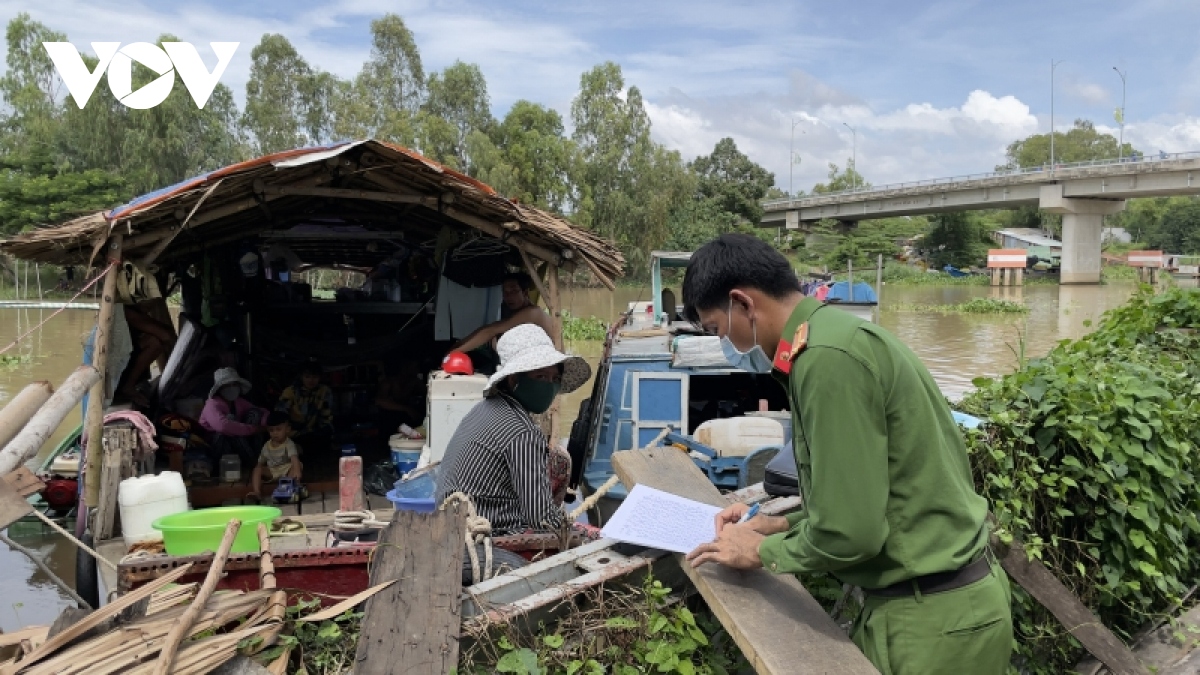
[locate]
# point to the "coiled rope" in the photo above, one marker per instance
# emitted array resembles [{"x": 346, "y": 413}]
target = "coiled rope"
[
  {"x": 479, "y": 532},
  {"x": 353, "y": 521}
]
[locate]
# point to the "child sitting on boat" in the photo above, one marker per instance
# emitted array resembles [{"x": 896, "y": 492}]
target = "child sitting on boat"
[
  {"x": 279, "y": 458},
  {"x": 309, "y": 406}
]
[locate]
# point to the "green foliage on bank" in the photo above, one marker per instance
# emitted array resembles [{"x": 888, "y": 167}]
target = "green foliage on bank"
[
  {"x": 1089, "y": 458},
  {"x": 973, "y": 306},
  {"x": 577, "y": 328}
]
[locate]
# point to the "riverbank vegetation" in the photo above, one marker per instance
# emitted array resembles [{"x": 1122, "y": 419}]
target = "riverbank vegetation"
[
  {"x": 973, "y": 306},
  {"x": 579, "y": 329},
  {"x": 1088, "y": 457}
]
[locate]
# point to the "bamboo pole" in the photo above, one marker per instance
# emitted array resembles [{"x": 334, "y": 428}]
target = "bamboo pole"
[
  {"x": 94, "y": 424},
  {"x": 29, "y": 440},
  {"x": 17, "y": 413},
  {"x": 555, "y": 307},
  {"x": 58, "y": 528},
  {"x": 171, "y": 643}
]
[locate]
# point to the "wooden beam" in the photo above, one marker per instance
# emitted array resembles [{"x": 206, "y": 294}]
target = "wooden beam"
[
  {"x": 1080, "y": 622},
  {"x": 341, "y": 193},
  {"x": 555, "y": 305},
  {"x": 13, "y": 506},
  {"x": 498, "y": 231},
  {"x": 16, "y": 412},
  {"x": 163, "y": 243},
  {"x": 533, "y": 274},
  {"x": 118, "y": 446},
  {"x": 598, "y": 274},
  {"x": 779, "y": 627},
  {"x": 24, "y": 482},
  {"x": 94, "y": 421}
]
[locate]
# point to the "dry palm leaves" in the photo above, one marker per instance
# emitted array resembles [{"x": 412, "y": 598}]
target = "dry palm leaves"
[{"x": 217, "y": 628}]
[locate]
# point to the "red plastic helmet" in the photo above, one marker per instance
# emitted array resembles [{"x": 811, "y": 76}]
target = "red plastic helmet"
[{"x": 458, "y": 363}]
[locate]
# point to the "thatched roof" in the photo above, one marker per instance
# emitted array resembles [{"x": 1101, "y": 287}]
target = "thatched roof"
[{"x": 365, "y": 189}]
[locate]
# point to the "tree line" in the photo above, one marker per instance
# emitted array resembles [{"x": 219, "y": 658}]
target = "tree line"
[{"x": 607, "y": 174}]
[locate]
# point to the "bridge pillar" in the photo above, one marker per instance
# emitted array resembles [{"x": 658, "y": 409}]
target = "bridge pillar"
[{"x": 1083, "y": 221}]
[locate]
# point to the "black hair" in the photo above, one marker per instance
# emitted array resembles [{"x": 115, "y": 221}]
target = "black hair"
[
  {"x": 521, "y": 278},
  {"x": 311, "y": 368},
  {"x": 277, "y": 417},
  {"x": 732, "y": 261}
]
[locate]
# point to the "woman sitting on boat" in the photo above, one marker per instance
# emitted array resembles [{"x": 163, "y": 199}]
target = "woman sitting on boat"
[{"x": 498, "y": 456}]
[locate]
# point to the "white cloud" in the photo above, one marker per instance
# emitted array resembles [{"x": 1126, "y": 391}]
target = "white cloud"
[{"x": 1088, "y": 92}]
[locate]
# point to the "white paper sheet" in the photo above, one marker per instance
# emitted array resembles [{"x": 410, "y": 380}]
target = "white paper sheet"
[{"x": 661, "y": 520}]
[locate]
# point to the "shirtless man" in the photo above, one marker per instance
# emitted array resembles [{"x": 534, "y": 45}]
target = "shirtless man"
[{"x": 517, "y": 309}]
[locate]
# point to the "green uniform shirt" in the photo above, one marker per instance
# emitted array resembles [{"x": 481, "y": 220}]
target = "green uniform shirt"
[{"x": 882, "y": 465}]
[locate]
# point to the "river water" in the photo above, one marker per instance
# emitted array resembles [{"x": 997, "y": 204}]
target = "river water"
[{"x": 955, "y": 347}]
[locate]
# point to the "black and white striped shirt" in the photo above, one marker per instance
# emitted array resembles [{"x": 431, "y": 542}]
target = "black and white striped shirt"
[{"x": 498, "y": 456}]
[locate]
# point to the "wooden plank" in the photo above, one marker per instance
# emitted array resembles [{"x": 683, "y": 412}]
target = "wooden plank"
[
  {"x": 412, "y": 627},
  {"x": 24, "y": 482},
  {"x": 1040, "y": 582},
  {"x": 94, "y": 420},
  {"x": 778, "y": 626},
  {"x": 118, "y": 448},
  {"x": 13, "y": 506}
]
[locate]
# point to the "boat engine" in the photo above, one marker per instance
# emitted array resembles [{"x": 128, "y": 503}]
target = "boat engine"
[{"x": 60, "y": 493}]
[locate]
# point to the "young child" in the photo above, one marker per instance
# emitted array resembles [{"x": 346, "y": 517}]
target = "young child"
[{"x": 279, "y": 455}]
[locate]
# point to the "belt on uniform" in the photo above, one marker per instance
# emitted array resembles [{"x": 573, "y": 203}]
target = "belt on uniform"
[{"x": 938, "y": 582}]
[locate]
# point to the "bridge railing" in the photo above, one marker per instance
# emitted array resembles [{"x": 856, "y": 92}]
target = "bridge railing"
[{"x": 1138, "y": 159}]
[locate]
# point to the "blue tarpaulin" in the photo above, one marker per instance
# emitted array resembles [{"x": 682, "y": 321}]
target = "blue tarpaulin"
[{"x": 841, "y": 292}]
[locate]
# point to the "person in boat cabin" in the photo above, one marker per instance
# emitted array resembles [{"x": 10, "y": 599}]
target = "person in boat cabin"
[
  {"x": 232, "y": 419},
  {"x": 889, "y": 501},
  {"x": 309, "y": 405},
  {"x": 279, "y": 457},
  {"x": 516, "y": 309},
  {"x": 400, "y": 395},
  {"x": 498, "y": 456}
]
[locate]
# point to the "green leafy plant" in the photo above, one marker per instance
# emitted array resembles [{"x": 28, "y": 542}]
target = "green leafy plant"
[
  {"x": 973, "y": 306},
  {"x": 577, "y": 329},
  {"x": 324, "y": 648},
  {"x": 644, "y": 630},
  {"x": 1089, "y": 458}
]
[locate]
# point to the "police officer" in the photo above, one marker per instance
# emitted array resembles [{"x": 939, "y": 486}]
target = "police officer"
[{"x": 889, "y": 502}]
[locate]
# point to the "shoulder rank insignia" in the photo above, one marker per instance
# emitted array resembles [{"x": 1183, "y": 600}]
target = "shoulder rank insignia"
[{"x": 787, "y": 351}]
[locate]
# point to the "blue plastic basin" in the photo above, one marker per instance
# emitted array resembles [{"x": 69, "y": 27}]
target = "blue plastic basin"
[{"x": 408, "y": 504}]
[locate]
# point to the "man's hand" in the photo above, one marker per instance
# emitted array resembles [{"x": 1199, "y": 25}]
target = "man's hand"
[
  {"x": 764, "y": 525},
  {"x": 736, "y": 546}
]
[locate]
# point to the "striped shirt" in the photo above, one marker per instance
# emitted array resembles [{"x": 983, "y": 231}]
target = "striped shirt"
[{"x": 498, "y": 457}]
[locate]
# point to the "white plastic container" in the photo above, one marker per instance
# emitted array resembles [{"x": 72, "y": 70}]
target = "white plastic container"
[
  {"x": 450, "y": 398},
  {"x": 738, "y": 436},
  {"x": 147, "y": 498}
]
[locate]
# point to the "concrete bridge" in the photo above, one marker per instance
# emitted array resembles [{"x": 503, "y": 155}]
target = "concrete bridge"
[{"x": 1083, "y": 193}]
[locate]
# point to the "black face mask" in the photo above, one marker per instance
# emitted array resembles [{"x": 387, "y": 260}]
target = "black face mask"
[{"x": 536, "y": 396}]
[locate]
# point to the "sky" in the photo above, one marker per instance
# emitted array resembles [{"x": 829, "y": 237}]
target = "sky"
[{"x": 931, "y": 89}]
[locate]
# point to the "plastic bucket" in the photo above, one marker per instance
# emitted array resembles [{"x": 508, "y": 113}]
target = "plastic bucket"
[
  {"x": 405, "y": 460},
  {"x": 194, "y": 532},
  {"x": 406, "y": 504}
]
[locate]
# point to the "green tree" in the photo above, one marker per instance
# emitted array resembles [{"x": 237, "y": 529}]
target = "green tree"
[
  {"x": 488, "y": 164},
  {"x": 37, "y": 191},
  {"x": 29, "y": 86},
  {"x": 531, "y": 139},
  {"x": 1178, "y": 229},
  {"x": 457, "y": 105},
  {"x": 383, "y": 101},
  {"x": 628, "y": 186},
  {"x": 286, "y": 100},
  {"x": 733, "y": 181},
  {"x": 1082, "y": 143},
  {"x": 840, "y": 180},
  {"x": 957, "y": 238}
]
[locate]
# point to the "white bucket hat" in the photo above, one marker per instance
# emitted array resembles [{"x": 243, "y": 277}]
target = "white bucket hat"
[
  {"x": 526, "y": 348},
  {"x": 226, "y": 376}
]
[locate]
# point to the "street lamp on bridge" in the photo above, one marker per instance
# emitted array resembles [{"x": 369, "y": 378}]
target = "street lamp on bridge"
[
  {"x": 792, "y": 158},
  {"x": 1121, "y": 116},
  {"x": 853, "y": 155},
  {"x": 1053, "y": 64}
]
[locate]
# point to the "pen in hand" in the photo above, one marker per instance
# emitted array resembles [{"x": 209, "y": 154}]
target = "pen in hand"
[{"x": 749, "y": 514}]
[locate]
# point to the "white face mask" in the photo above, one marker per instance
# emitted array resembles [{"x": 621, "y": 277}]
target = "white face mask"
[{"x": 754, "y": 360}]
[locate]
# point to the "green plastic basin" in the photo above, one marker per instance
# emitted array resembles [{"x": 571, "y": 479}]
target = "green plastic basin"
[{"x": 193, "y": 532}]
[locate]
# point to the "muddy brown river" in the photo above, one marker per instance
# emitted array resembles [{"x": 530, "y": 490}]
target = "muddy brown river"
[{"x": 955, "y": 347}]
